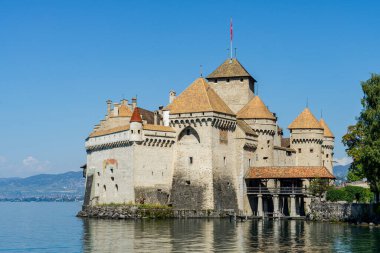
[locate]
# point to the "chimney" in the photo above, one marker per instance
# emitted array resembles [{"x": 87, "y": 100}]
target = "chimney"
[
  {"x": 134, "y": 103},
  {"x": 172, "y": 95},
  {"x": 116, "y": 109},
  {"x": 109, "y": 103}
]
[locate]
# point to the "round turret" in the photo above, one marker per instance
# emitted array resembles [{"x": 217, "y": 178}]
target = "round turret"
[
  {"x": 306, "y": 138},
  {"x": 327, "y": 146},
  {"x": 263, "y": 122},
  {"x": 136, "y": 126}
]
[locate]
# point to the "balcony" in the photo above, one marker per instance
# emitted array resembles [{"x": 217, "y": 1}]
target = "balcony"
[{"x": 277, "y": 190}]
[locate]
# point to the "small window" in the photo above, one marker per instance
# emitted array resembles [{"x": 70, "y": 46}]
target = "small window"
[
  {"x": 265, "y": 157},
  {"x": 112, "y": 178},
  {"x": 216, "y": 80},
  {"x": 191, "y": 160},
  {"x": 241, "y": 79},
  {"x": 224, "y": 160},
  {"x": 111, "y": 170},
  {"x": 187, "y": 182},
  {"x": 299, "y": 150},
  {"x": 191, "y": 114},
  {"x": 249, "y": 162},
  {"x": 104, "y": 187},
  {"x": 268, "y": 141},
  {"x": 152, "y": 172},
  {"x": 188, "y": 132},
  {"x": 288, "y": 153},
  {"x": 228, "y": 80},
  {"x": 138, "y": 131},
  {"x": 311, "y": 150},
  {"x": 116, "y": 187},
  {"x": 327, "y": 155},
  {"x": 98, "y": 173},
  {"x": 257, "y": 157},
  {"x": 131, "y": 131},
  {"x": 98, "y": 184}
]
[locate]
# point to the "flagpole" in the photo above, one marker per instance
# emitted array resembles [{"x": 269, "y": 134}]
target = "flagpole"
[{"x": 231, "y": 37}]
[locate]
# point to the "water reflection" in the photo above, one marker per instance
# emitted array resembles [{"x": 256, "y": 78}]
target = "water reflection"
[{"x": 198, "y": 235}]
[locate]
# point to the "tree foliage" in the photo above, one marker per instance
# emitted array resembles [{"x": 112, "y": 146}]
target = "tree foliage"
[
  {"x": 319, "y": 186},
  {"x": 349, "y": 194},
  {"x": 363, "y": 139}
]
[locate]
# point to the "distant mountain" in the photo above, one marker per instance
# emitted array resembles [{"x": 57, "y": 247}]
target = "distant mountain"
[
  {"x": 341, "y": 171},
  {"x": 44, "y": 187}
]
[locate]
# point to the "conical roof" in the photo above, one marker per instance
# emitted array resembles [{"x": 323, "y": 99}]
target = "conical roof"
[
  {"x": 136, "y": 117},
  {"x": 230, "y": 68},
  {"x": 198, "y": 97},
  {"x": 306, "y": 120},
  {"x": 326, "y": 130},
  {"x": 255, "y": 109},
  {"x": 124, "y": 111}
]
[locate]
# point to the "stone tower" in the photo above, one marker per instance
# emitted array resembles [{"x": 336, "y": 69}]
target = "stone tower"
[
  {"x": 136, "y": 126},
  {"x": 327, "y": 146},
  {"x": 233, "y": 84},
  {"x": 263, "y": 122},
  {"x": 204, "y": 175},
  {"x": 306, "y": 137}
]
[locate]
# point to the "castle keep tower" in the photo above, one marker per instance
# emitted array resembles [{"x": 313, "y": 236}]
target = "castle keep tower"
[
  {"x": 327, "y": 146},
  {"x": 233, "y": 84},
  {"x": 263, "y": 122},
  {"x": 306, "y": 137}
]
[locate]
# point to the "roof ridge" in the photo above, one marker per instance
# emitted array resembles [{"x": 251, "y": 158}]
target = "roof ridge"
[{"x": 206, "y": 87}]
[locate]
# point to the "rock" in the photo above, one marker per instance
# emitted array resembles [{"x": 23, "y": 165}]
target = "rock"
[{"x": 121, "y": 216}]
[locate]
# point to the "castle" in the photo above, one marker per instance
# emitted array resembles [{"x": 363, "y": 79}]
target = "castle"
[{"x": 215, "y": 146}]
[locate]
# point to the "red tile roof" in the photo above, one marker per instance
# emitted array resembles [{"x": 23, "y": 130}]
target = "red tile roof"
[
  {"x": 288, "y": 172},
  {"x": 136, "y": 117}
]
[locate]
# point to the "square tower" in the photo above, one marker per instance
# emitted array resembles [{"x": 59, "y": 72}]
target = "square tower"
[{"x": 233, "y": 84}]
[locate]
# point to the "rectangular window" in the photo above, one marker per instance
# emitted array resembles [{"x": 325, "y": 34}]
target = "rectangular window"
[
  {"x": 299, "y": 150},
  {"x": 249, "y": 162},
  {"x": 191, "y": 160},
  {"x": 224, "y": 160},
  {"x": 311, "y": 150}
]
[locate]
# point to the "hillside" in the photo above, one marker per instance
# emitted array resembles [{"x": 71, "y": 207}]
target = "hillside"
[{"x": 44, "y": 187}]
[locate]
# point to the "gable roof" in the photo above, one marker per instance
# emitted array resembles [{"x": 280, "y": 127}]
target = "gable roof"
[
  {"x": 306, "y": 120},
  {"x": 198, "y": 97},
  {"x": 326, "y": 130},
  {"x": 289, "y": 172},
  {"x": 136, "y": 117},
  {"x": 255, "y": 109},
  {"x": 230, "y": 68},
  {"x": 124, "y": 111}
]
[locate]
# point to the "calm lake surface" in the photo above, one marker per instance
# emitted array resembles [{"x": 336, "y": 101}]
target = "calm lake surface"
[{"x": 53, "y": 227}]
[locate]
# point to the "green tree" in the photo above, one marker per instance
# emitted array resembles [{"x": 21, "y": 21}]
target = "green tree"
[
  {"x": 319, "y": 186},
  {"x": 363, "y": 139}
]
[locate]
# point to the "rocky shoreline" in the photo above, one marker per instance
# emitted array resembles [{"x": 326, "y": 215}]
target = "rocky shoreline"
[
  {"x": 357, "y": 213},
  {"x": 152, "y": 212}
]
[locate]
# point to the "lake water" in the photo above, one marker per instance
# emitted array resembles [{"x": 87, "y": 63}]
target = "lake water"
[{"x": 53, "y": 227}]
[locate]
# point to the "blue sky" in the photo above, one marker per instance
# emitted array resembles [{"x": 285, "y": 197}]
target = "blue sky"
[{"x": 61, "y": 60}]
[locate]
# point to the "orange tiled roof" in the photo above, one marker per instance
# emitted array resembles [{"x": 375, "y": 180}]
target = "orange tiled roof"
[
  {"x": 255, "y": 109},
  {"x": 124, "y": 111},
  {"x": 326, "y": 130},
  {"x": 288, "y": 172},
  {"x": 136, "y": 117},
  {"x": 229, "y": 68},
  {"x": 306, "y": 120},
  {"x": 158, "y": 128},
  {"x": 198, "y": 97},
  {"x": 109, "y": 131}
]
